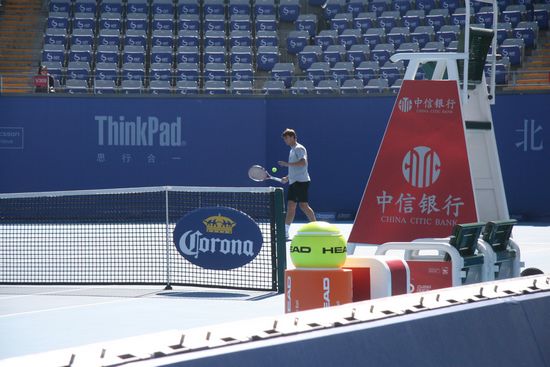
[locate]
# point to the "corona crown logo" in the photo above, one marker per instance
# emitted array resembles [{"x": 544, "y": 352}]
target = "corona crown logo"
[{"x": 219, "y": 224}]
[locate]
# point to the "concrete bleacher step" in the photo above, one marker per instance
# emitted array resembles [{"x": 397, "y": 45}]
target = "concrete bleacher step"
[
  {"x": 535, "y": 75},
  {"x": 21, "y": 30}
]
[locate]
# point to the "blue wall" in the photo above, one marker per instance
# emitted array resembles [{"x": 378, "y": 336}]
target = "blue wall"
[{"x": 61, "y": 143}]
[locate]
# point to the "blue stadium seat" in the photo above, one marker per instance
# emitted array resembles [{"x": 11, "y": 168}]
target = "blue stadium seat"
[
  {"x": 162, "y": 38},
  {"x": 392, "y": 71},
  {"x": 187, "y": 87},
  {"x": 382, "y": 52},
  {"x": 133, "y": 71},
  {"x": 402, "y": 6},
  {"x": 289, "y": 10},
  {"x": 239, "y": 7},
  {"x": 106, "y": 71},
  {"x": 307, "y": 22},
  {"x": 266, "y": 22},
  {"x": 107, "y": 54},
  {"x": 213, "y": 87},
  {"x": 374, "y": 37},
  {"x": 327, "y": 87},
  {"x": 273, "y": 87},
  {"x": 240, "y": 22},
  {"x": 130, "y": 86},
  {"x": 451, "y": 5},
  {"x": 309, "y": 55},
  {"x": 333, "y": 7},
  {"x": 188, "y": 54},
  {"x": 264, "y": 7},
  {"x": 389, "y": 20},
  {"x": 356, "y": 7},
  {"x": 501, "y": 73},
  {"x": 296, "y": 41},
  {"x": 504, "y": 30},
  {"x": 334, "y": 54},
  {"x": 55, "y": 69},
  {"x": 422, "y": 35},
  {"x": 413, "y": 18},
  {"x": 358, "y": 53},
  {"x": 81, "y": 53},
  {"x": 267, "y": 38},
  {"x": 58, "y": 21},
  {"x": 137, "y": 21},
  {"x": 85, "y": 6},
  {"x": 458, "y": 17},
  {"x": 514, "y": 14},
  {"x": 162, "y": 54},
  {"x": 326, "y": 37},
  {"x": 529, "y": 32},
  {"x": 367, "y": 71},
  {"x": 396, "y": 86},
  {"x": 283, "y": 72},
  {"x": 104, "y": 87},
  {"x": 318, "y": 71},
  {"x": 54, "y": 53},
  {"x": 135, "y": 38},
  {"x": 82, "y": 37},
  {"x": 342, "y": 71},
  {"x": 60, "y": 6},
  {"x": 188, "y": 38},
  {"x": 214, "y": 7},
  {"x": 408, "y": 47},
  {"x": 76, "y": 86},
  {"x": 160, "y": 87},
  {"x": 241, "y": 87},
  {"x": 350, "y": 37},
  {"x": 106, "y": 21},
  {"x": 242, "y": 72},
  {"x": 55, "y": 36},
  {"x": 541, "y": 15},
  {"x": 111, "y": 6},
  {"x": 215, "y": 54},
  {"x": 437, "y": 18},
  {"x": 188, "y": 72},
  {"x": 352, "y": 86},
  {"x": 514, "y": 49},
  {"x": 241, "y": 54},
  {"x": 214, "y": 22},
  {"x": 137, "y": 7},
  {"x": 88, "y": 21},
  {"x": 215, "y": 38},
  {"x": 163, "y": 7},
  {"x": 433, "y": 46},
  {"x": 133, "y": 54},
  {"x": 378, "y": 6},
  {"x": 302, "y": 87},
  {"x": 426, "y": 5},
  {"x": 398, "y": 35},
  {"x": 267, "y": 57},
  {"x": 447, "y": 34},
  {"x": 163, "y": 22},
  {"x": 453, "y": 46},
  {"x": 240, "y": 38},
  {"x": 78, "y": 70},
  {"x": 365, "y": 21},
  {"x": 108, "y": 37},
  {"x": 189, "y": 22},
  {"x": 215, "y": 71},
  {"x": 341, "y": 21},
  {"x": 377, "y": 85},
  {"x": 187, "y": 7},
  {"x": 485, "y": 16}
]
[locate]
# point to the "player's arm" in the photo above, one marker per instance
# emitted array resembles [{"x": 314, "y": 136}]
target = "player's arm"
[{"x": 300, "y": 163}]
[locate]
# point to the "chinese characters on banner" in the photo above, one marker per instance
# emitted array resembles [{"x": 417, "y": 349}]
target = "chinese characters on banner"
[{"x": 420, "y": 185}]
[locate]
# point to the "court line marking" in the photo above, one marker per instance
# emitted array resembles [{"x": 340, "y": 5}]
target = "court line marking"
[
  {"x": 65, "y": 308},
  {"x": 42, "y": 293}
]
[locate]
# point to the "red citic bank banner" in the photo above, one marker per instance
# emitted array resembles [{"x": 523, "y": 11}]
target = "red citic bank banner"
[{"x": 420, "y": 185}]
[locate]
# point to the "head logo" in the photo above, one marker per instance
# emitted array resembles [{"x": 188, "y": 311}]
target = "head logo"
[
  {"x": 421, "y": 167},
  {"x": 405, "y": 104},
  {"x": 218, "y": 238}
]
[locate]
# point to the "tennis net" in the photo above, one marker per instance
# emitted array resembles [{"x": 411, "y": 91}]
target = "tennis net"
[{"x": 124, "y": 236}]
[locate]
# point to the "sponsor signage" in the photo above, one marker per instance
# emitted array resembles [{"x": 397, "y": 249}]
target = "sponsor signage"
[
  {"x": 218, "y": 238},
  {"x": 11, "y": 137},
  {"x": 420, "y": 185}
]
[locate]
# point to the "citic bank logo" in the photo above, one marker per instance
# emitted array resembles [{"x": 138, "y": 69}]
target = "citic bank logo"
[
  {"x": 405, "y": 104},
  {"x": 421, "y": 166}
]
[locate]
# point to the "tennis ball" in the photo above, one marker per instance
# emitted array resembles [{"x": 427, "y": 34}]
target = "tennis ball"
[
  {"x": 318, "y": 245},
  {"x": 274, "y": 169}
]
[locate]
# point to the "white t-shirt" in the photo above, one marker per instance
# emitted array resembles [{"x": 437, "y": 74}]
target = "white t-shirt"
[{"x": 297, "y": 173}]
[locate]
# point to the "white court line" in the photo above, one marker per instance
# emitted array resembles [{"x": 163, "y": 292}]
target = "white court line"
[
  {"x": 65, "y": 308},
  {"x": 43, "y": 293}
]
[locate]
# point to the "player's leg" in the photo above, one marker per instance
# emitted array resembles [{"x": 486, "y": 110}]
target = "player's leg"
[
  {"x": 292, "y": 202},
  {"x": 310, "y": 214},
  {"x": 303, "y": 197}
]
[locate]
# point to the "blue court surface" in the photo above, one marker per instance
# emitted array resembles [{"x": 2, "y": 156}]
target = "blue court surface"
[{"x": 36, "y": 319}]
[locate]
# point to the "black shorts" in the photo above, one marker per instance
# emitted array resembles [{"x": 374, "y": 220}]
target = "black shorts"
[{"x": 297, "y": 192}]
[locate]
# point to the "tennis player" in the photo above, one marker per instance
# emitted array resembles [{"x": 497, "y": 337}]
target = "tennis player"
[{"x": 298, "y": 178}]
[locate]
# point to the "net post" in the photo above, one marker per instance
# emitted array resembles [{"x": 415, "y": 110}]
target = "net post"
[
  {"x": 280, "y": 238},
  {"x": 167, "y": 234}
]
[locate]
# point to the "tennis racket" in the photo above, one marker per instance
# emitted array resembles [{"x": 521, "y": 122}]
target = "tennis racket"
[{"x": 258, "y": 173}]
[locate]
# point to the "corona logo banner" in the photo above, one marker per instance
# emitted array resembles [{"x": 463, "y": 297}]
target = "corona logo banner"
[{"x": 420, "y": 185}]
